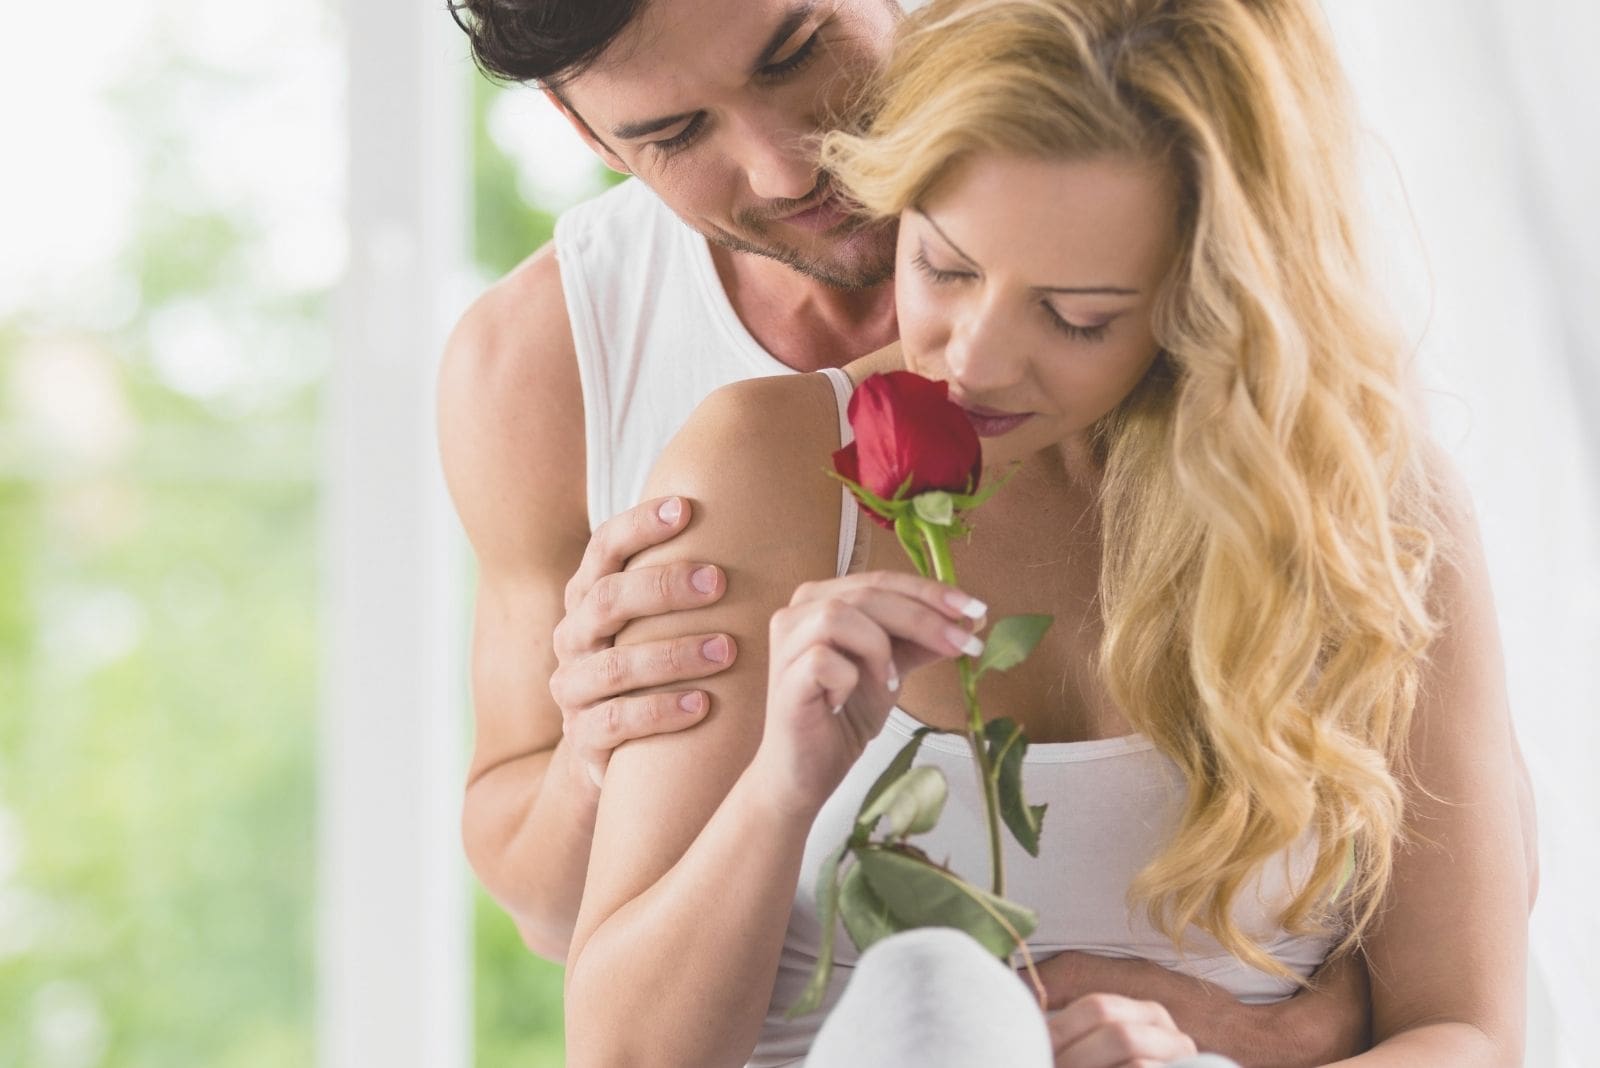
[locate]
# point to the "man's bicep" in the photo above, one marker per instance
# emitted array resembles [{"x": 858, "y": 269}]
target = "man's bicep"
[
  {"x": 511, "y": 423},
  {"x": 511, "y": 444}
]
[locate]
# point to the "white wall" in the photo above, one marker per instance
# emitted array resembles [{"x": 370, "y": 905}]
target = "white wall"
[{"x": 1483, "y": 116}]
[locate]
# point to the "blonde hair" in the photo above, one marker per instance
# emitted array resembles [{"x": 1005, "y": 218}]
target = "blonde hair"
[{"x": 1270, "y": 532}]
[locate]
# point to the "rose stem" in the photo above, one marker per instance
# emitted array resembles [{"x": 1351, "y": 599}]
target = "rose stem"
[{"x": 944, "y": 569}]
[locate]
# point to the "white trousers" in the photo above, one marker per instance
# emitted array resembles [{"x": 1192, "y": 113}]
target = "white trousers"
[{"x": 934, "y": 998}]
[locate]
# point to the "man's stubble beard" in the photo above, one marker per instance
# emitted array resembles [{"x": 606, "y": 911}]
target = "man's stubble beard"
[{"x": 875, "y": 268}]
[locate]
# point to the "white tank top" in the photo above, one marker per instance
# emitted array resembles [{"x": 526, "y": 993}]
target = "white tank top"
[
  {"x": 1113, "y": 804},
  {"x": 654, "y": 330}
]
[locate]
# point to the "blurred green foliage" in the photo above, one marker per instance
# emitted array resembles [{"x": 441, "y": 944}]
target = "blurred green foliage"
[
  {"x": 158, "y": 666},
  {"x": 159, "y": 653}
]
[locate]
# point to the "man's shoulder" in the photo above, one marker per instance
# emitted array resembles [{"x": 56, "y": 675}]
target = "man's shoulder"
[
  {"x": 517, "y": 327},
  {"x": 510, "y": 406}
]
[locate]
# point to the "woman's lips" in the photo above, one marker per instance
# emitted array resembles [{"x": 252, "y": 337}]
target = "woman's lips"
[{"x": 990, "y": 423}]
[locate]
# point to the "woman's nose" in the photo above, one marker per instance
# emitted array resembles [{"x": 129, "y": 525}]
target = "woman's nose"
[{"x": 983, "y": 355}]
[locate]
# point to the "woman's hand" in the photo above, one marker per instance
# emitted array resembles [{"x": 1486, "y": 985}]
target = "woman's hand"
[
  {"x": 1110, "y": 1031},
  {"x": 837, "y": 655}
]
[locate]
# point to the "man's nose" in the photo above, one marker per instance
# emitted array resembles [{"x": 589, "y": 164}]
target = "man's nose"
[{"x": 779, "y": 159}]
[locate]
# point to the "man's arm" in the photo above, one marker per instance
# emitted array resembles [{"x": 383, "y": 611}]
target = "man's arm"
[
  {"x": 511, "y": 438},
  {"x": 1327, "y": 1022}
]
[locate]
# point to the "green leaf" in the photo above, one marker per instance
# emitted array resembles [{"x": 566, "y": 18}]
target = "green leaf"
[
  {"x": 897, "y": 767},
  {"x": 871, "y": 501},
  {"x": 1007, "y": 746},
  {"x": 866, "y": 918},
  {"x": 1010, "y": 641},
  {"x": 827, "y": 912},
  {"x": 912, "y": 803},
  {"x": 934, "y": 507},
  {"x": 918, "y": 893},
  {"x": 965, "y": 502},
  {"x": 905, "y": 528}
]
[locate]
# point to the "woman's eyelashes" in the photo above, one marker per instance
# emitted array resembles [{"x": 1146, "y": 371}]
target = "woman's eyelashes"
[
  {"x": 936, "y": 274},
  {"x": 941, "y": 276},
  {"x": 1073, "y": 330}
]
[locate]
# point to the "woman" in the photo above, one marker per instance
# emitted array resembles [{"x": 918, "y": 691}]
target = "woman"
[{"x": 1127, "y": 243}]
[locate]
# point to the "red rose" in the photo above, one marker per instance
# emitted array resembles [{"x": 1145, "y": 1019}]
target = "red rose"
[{"x": 906, "y": 427}]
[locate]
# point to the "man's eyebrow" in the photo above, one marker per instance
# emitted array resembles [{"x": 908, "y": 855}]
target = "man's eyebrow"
[
  {"x": 628, "y": 131},
  {"x": 1114, "y": 290},
  {"x": 791, "y": 22}
]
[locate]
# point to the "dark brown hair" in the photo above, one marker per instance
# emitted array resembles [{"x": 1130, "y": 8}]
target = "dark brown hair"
[{"x": 542, "y": 41}]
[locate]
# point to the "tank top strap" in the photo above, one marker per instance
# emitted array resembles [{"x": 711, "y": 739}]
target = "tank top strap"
[{"x": 849, "y": 511}]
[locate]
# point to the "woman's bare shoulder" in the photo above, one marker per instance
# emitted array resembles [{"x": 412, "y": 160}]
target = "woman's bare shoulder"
[
  {"x": 752, "y": 462},
  {"x": 759, "y": 448}
]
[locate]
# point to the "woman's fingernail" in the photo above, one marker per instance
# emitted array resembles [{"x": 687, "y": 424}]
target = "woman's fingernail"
[
  {"x": 715, "y": 650},
  {"x": 692, "y": 702},
  {"x": 893, "y": 681},
  {"x": 670, "y": 511},
  {"x": 837, "y": 709},
  {"x": 970, "y": 607},
  {"x": 703, "y": 579},
  {"x": 596, "y": 776},
  {"x": 970, "y": 644}
]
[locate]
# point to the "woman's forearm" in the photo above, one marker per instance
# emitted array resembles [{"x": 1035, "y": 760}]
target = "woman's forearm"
[
  {"x": 683, "y": 973},
  {"x": 528, "y": 826}
]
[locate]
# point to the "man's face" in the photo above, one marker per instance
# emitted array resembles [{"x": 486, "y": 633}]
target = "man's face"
[{"x": 717, "y": 105}]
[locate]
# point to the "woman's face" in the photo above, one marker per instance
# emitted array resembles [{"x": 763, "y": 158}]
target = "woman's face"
[{"x": 1028, "y": 285}]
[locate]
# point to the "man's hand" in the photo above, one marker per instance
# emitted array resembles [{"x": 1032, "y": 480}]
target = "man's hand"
[
  {"x": 1328, "y": 1022},
  {"x": 595, "y": 684}
]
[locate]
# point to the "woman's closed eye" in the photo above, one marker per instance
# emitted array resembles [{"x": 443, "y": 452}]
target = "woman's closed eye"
[
  {"x": 937, "y": 274},
  {"x": 1076, "y": 331}
]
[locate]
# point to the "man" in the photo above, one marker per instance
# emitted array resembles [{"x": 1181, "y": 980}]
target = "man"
[{"x": 728, "y": 256}]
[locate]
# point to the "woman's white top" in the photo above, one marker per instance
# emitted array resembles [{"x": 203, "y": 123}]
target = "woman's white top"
[{"x": 1113, "y": 804}]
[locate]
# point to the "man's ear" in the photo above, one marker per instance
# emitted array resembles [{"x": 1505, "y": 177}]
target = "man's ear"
[{"x": 585, "y": 131}]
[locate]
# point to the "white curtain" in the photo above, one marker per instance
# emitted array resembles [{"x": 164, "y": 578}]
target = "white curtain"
[{"x": 1483, "y": 120}]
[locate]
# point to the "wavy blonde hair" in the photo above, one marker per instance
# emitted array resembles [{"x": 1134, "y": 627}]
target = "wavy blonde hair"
[{"x": 1270, "y": 529}]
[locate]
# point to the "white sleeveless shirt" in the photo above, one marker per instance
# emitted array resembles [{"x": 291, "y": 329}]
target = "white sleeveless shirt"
[
  {"x": 1113, "y": 805},
  {"x": 654, "y": 330}
]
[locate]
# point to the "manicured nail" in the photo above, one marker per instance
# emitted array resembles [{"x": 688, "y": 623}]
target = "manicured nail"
[
  {"x": 715, "y": 650},
  {"x": 596, "y": 776},
  {"x": 703, "y": 579},
  {"x": 837, "y": 709},
  {"x": 970, "y": 644},
  {"x": 894, "y": 678},
  {"x": 670, "y": 511},
  {"x": 692, "y": 702},
  {"x": 970, "y": 607}
]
